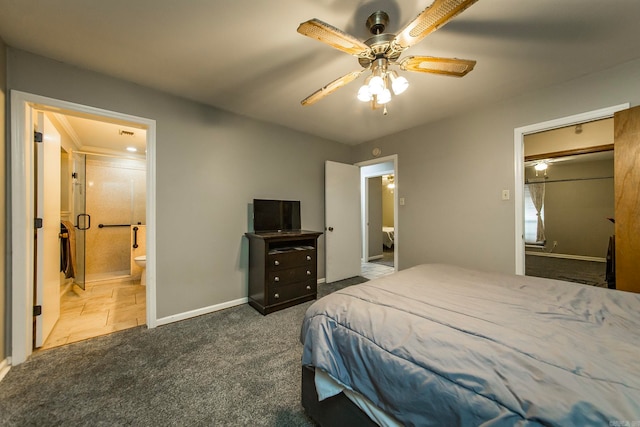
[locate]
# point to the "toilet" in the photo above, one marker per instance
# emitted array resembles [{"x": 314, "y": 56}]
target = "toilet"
[{"x": 141, "y": 261}]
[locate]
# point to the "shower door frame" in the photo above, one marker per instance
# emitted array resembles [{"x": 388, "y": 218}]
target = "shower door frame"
[
  {"x": 22, "y": 223},
  {"x": 80, "y": 208}
]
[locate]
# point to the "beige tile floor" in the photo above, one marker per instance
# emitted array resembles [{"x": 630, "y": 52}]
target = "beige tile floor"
[
  {"x": 372, "y": 270},
  {"x": 104, "y": 307}
]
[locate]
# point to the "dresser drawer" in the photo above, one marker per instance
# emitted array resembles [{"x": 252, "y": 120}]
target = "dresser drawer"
[
  {"x": 291, "y": 275},
  {"x": 282, "y": 260},
  {"x": 285, "y": 293}
]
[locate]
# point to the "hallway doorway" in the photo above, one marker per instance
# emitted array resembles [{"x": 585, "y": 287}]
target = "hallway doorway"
[{"x": 379, "y": 206}]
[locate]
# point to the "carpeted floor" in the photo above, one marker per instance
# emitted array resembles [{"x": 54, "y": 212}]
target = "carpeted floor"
[
  {"x": 571, "y": 270},
  {"x": 230, "y": 368}
]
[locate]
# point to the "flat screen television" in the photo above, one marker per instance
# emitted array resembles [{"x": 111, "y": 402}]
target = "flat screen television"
[{"x": 276, "y": 215}]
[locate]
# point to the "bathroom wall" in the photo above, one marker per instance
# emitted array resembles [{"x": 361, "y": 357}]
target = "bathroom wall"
[
  {"x": 141, "y": 240},
  {"x": 115, "y": 195}
]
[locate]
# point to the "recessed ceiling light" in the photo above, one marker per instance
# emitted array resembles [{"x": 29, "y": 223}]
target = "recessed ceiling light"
[{"x": 132, "y": 149}]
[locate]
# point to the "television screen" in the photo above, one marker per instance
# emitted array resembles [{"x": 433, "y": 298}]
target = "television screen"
[{"x": 276, "y": 215}]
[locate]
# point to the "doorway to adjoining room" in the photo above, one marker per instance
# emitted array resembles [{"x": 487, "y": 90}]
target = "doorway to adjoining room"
[
  {"x": 379, "y": 246},
  {"x": 102, "y": 215},
  {"x": 564, "y": 197}
]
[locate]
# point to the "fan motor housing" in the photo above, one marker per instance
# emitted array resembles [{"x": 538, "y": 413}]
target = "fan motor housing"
[
  {"x": 377, "y": 22},
  {"x": 380, "y": 44}
]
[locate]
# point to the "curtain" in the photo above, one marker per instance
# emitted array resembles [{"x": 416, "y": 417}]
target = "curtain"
[{"x": 537, "y": 197}]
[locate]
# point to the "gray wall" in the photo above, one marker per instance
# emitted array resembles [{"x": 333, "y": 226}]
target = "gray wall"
[
  {"x": 388, "y": 216},
  {"x": 451, "y": 173},
  {"x": 3, "y": 143},
  {"x": 576, "y": 210},
  {"x": 210, "y": 166}
]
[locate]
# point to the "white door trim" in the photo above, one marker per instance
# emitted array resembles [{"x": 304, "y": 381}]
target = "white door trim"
[
  {"x": 392, "y": 158},
  {"x": 22, "y": 213},
  {"x": 519, "y": 134}
]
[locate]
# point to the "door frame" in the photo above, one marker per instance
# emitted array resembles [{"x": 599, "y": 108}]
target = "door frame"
[
  {"x": 364, "y": 196},
  {"x": 519, "y": 134},
  {"x": 21, "y": 222}
]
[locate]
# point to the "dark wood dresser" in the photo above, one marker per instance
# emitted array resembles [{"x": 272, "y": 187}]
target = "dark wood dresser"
[{"x": 283, "y": 269}]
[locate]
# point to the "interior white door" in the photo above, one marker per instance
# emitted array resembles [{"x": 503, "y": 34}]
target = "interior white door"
[
  {"x": 342, "y": 221},
  {"x": 47, "y": 207}
]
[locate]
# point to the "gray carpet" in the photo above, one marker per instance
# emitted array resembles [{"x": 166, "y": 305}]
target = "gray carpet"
[
  {"x": 571, "y": 270},
  {"x": 233, "y": 367}
]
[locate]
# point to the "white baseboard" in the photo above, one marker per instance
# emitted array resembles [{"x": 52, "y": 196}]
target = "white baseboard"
[
  {"x": 207, "y": 310},
  {"x": 5, "y": 365},
  {"x": 567, "y": 256},
  {"x": 200, "y": 311},
  {"x": 374, "y": 257}
]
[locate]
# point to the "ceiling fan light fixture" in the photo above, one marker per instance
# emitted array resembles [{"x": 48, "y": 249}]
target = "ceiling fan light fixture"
[
  {"x": 384, "y": 97},
  {"x": 382, "y": 50},
  {"x": 376, "y": 85},
  {"x": 364, "y": 93},
  {"x": 398, "y": 83}
]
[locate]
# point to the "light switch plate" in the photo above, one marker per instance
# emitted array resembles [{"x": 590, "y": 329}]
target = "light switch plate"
[{"x": 505, "y": 195}]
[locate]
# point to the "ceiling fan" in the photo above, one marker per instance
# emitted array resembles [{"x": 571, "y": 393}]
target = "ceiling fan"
[{"x": 383, "y": 50}]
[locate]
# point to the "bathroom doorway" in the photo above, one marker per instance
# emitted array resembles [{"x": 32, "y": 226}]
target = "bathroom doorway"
[
  {"x": 102, "y": 179},
  {"x": 24, "y": 108}
]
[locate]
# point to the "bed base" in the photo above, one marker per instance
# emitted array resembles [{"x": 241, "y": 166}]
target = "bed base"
[{"x": 336, "y": 411}]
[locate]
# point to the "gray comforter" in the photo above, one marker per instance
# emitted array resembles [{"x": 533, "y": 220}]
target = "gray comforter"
[{"x": 438, "y": 345}]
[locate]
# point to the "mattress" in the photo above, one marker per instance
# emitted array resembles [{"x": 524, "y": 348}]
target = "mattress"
[{"x": 441, "y": 345}]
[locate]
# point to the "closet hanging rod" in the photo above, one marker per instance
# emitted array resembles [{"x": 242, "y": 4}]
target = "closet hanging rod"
[{"x": 527, "y": 181}]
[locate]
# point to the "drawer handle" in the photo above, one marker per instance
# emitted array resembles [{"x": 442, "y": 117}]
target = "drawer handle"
[
  {"x": 308, "y": 257},
  {"x": 276, "y": 296},
  {"x": 308, "y": 273},
  {"x": 308, "y": 287},
  {"x": 276, "y": 262},
  {"x": 276, "y": 279}
]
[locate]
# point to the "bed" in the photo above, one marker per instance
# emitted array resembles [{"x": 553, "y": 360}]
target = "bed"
[
  {"x": 388, "y": 237},
  {"x": 438, "y": 345}
]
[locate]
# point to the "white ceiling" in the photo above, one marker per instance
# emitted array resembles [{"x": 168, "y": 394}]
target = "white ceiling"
[
  {"x": 95, "y": 135},
  {"x": 245, "y": 56}
]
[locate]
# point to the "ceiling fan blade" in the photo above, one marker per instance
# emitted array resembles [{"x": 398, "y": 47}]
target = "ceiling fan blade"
[
  {"x": 331, "y": 87},
  {"x": 429, "y": 20},
  {"x": 334, "y": 37},
  {"x": 429, "y": 64}
]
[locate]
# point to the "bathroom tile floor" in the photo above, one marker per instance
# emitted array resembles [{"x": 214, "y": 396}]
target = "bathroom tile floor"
[{"x": 104, "y": 307}]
